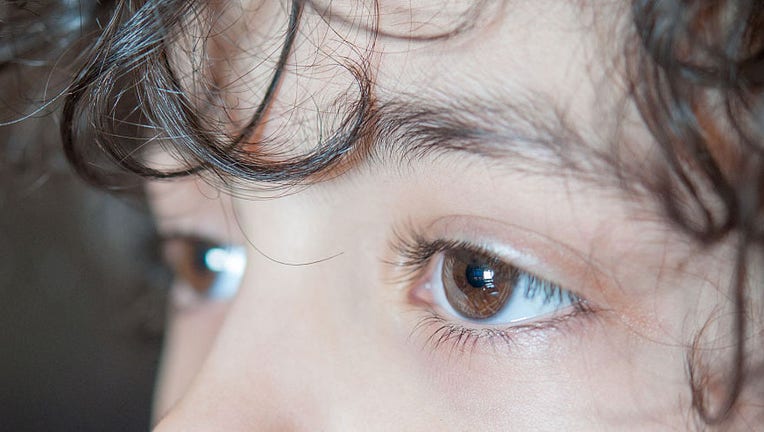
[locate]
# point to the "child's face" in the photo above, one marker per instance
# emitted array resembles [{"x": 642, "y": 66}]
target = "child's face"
[{"x": 506, "y": 151}]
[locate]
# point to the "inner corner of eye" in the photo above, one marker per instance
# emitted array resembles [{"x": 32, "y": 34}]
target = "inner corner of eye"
[{"x": 424, "y": 286}]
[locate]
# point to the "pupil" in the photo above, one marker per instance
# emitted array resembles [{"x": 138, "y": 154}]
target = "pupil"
[{"x": 478, "y": 276}]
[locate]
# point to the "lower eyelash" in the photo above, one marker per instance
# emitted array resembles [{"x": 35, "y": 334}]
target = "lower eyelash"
[{"x": 457, "y": 338}]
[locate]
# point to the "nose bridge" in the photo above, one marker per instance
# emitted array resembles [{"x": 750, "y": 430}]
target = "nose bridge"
[{"x": 280, "y": 361}]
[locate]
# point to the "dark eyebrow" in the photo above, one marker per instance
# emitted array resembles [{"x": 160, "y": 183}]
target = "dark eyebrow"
[{"x": 530, "y": 134}]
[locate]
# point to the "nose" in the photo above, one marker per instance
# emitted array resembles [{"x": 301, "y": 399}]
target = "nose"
[
  {"x": 273, "y": 364},
  {"x": 300, "y": 349}
]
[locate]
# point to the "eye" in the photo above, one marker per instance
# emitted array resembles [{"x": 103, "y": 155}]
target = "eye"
[
  {"x": 473, "y": 284},
  {"x": 478, "y": 286},
  {"x": 204, "y": 270},
  {"x": 471, "y": 295}
]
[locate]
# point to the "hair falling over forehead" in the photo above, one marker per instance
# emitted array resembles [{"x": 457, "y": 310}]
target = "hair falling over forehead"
[
  {"x": 695, "y": 69},
  {"x": 129, "y": 88}
]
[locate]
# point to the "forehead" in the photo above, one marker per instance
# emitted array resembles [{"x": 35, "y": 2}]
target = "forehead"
[
  {"x": 449, "y": 47},
  {"x": 561, "y": 63},
  {"x": 481, "y": 47}
]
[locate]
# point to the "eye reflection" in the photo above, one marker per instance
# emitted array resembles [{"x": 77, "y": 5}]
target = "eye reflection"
[{"x": 206, "y": 270}]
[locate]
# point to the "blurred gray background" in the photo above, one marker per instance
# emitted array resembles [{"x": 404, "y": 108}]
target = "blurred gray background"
[
  {"x": 82, "y": 296},
  {"x": 82, "y": 290}
]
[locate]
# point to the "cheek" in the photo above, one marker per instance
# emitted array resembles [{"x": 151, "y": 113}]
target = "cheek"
[{"x": 606, "y": 375}]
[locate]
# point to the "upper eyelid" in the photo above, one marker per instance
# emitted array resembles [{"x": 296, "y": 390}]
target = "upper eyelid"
[
  {"x": 526, "y": 249},
  {"x": 192, "y": 237},
  {"x": 417, "y": 254},
  {"x": 189, "y": 240}
]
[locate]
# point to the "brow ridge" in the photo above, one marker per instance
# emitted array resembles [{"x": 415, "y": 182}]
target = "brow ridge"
[{"x": 529, "y": 133}]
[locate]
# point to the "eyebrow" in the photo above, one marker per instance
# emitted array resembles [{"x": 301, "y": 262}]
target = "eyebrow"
[{"x": 530, "y": 134}]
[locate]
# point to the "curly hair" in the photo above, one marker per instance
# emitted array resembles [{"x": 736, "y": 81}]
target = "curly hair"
[
  {"x": 696, "y": 74},
  {"x": 699, "y": 85}
]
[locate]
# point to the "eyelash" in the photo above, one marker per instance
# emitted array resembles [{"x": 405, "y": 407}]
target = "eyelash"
[{"x": 416, "y": 258}]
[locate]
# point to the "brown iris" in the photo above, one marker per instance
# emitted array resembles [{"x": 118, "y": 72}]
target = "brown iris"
[
  {"x": 476, "y": 285},
  {"x": 185, "y": 257}
]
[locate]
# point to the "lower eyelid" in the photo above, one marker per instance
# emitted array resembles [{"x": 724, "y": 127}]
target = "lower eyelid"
[{"x": 438, "y": 333}]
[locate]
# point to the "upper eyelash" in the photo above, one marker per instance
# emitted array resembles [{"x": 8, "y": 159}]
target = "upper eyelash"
[{"x": 415, "y": 251}]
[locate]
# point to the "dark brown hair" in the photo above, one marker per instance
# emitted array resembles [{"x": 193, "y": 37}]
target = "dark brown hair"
[{"x": 696, "y": 70}]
